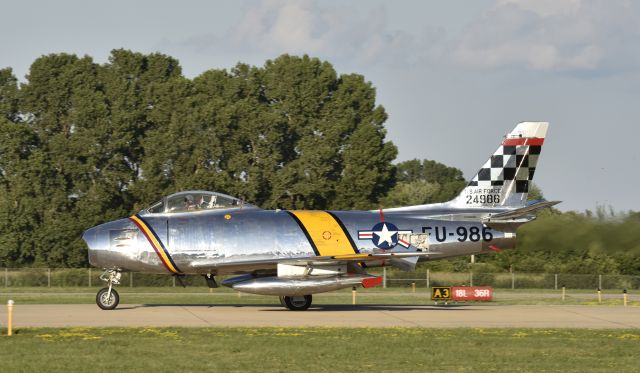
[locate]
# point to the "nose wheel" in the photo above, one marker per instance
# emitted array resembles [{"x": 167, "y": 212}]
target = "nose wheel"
[
  {"x": 297, "y": 302},
  {"x": 108, "y": 298}
]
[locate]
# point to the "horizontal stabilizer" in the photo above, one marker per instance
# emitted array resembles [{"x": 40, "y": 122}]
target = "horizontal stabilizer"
[{"x": 523, "y": 211}]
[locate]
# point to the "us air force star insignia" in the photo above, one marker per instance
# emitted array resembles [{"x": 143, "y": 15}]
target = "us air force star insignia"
[{"x": 385, "y": 236}]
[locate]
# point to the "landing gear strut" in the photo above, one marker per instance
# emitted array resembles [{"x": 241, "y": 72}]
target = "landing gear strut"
[
  {"x": 108, "y": 298},
  {"x": 297, "y": 302}
]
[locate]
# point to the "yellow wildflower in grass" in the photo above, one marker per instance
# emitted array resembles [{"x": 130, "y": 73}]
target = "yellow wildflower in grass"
[
  {"x": 634, "y": 337},
  {"x": 544, "y": 332},
  {"x": 282, "y": 334},
  {"x": 160, "y": 333},
  {"x": 91, "y": 338},
  {"x": 81, "y": 335},
  {"x": 77, "y": 333},
  {"x": 520, "y": 335}
]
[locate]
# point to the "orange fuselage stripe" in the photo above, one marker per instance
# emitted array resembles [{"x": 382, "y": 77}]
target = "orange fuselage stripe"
[{"x": 326, "y": 233}]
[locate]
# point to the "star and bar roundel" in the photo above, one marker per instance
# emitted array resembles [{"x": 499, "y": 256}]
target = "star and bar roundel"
[{"x": 385, "y": 235}]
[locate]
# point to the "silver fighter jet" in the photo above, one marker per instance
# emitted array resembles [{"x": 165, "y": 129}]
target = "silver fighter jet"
[{"x": 294, "y": 254}]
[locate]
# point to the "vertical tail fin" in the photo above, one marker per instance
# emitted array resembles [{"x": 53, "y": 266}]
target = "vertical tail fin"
[{"x": 505, "y": 178}]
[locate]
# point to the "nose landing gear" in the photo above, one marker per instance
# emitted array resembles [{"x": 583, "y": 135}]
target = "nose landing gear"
[{"x": 108, "y": 298}]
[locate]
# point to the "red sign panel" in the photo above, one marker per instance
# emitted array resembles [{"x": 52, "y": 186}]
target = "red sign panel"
[{"x": 471, "y": 293}]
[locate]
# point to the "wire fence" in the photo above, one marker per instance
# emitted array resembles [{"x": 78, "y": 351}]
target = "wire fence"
[
  {"x": 512, "y": 280},
  {"x": 89, "y": 277}
]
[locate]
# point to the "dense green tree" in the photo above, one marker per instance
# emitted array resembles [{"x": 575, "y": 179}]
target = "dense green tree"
[
  {"x": 291, "y": 134},
  {"x": 61, "y": 101},
  {"x": 336, "y": 154},
  {"x": 85, "y": 122},
  {"x": 421, "y": 182},
  {"x": 367, "y": 172},
  {"x": 535, "y": 193},
  {"x": 8, "y": 95}
]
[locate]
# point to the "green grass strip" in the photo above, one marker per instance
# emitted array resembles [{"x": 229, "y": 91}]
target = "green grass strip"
[{"x": 318, "y": 349}]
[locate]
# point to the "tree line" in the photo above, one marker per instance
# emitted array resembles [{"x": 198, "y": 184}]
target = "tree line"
[{"x": 82, "y": 143}]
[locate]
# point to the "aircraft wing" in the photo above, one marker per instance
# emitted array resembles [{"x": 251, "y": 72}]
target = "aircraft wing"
[
  {"x": 243, "y": 266},
  {"x": 335, "y": 259}
]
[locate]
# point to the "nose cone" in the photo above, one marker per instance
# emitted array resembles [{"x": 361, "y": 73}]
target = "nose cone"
[
  {"x": 90, "y": 236},
  {"x": 96, "y": 241},
  {"x": 111, "y": 245}
]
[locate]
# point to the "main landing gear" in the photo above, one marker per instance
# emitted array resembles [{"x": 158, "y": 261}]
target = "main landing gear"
[
  {"x": 296, "y": 302},
  {"x": 108, "y": 298}
]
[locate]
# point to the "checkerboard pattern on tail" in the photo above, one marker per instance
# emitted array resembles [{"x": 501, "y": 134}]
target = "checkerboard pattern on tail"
[
  {"x": 505, "y": 177},
  {"x": 515, "y": 163}
]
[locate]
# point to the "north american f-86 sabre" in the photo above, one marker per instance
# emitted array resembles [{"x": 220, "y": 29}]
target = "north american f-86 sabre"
[{"x": 293, "y": 254}]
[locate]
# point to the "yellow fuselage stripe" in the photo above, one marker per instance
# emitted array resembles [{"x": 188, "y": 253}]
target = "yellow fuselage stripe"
[
  {"x": 154, "y": 242},
  {"x": 325, "y": 232}
]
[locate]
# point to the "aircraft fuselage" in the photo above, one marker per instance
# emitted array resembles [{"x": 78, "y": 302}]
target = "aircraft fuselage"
[{"x": 219, "y": 241}]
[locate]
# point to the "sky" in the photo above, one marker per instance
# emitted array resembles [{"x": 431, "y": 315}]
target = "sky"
[{"x": 454, "y": 76}]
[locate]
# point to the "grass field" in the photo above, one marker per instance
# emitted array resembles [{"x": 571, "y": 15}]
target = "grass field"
[
  {"x": 319, "y": 349},
  {"x": 201, "y": 295}
]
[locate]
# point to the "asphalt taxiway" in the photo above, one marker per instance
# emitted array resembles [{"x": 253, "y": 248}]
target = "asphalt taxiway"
[{"x": 476, "y": 316}]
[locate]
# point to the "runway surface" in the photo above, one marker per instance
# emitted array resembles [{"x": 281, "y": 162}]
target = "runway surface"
[{"x": 478, "y": 316}]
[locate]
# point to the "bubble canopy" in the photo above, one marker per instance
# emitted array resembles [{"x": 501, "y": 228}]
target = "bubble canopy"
[{"x": 194, "y": 200}]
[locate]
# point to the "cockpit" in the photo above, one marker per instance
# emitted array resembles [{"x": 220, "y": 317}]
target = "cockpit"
[{"x": 196, "y": 200}]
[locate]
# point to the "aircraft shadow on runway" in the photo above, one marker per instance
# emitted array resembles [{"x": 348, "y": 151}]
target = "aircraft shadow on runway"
[{"x": 318, "y": 307}]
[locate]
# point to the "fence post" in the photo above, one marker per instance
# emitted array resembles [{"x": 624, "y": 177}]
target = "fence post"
[
  {"x": 428, "y": 278},
  {"x": 49, "y": 277},
  {"x": 6, "y": 277},
  {"x": 130, "y": 279},
  {"x": 384, "y": 277},
  {"x": 470, "y": 278},
  {"x": 89, "y": 277},
  {"x": 174, "y": 282},
  {"x": 10, "y": 317},
  {"x": 599, "y": 281},
  {"x": 556, "y": 282},
  {"x": 513, "y": 280}
]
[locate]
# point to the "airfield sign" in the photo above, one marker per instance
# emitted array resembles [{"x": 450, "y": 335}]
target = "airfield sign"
[
  {"x": 462, "y": 293},
  {"x": 441, "y": 293}
]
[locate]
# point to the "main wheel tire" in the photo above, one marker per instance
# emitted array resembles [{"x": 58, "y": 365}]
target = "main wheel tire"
[
  {"x": 298, "y": 302},
  {"x": 107, "y": 303}
]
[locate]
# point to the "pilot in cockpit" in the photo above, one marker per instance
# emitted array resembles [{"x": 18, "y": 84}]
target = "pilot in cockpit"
[
  {"x": 189, "y": 203},
  {"x": 202, "y": 203}
]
